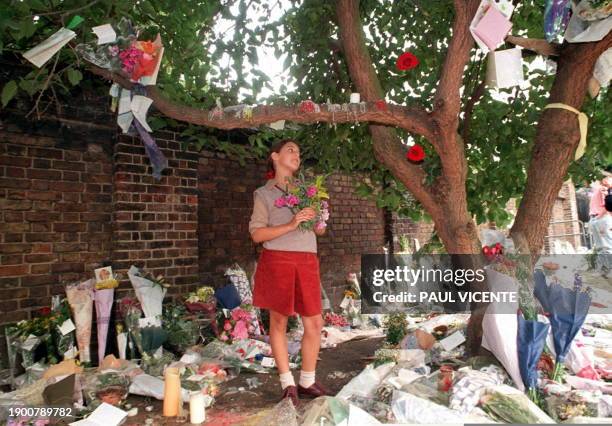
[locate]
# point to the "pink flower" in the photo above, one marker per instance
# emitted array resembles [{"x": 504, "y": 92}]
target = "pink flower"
[
  {"x": 240, "y": 331},
  {"x": 325, "y": 215},
  {"x": 280, "y": 202},
  {"x": 319, "y": 226},
  {"x": 292, "y": 201},
  {"x": 324, "y": 204},
  {"x": 223, "y": 337},
  {"x": 311, "y": 191},
  {"x": 227, "y": 326},
  {"x": 240, "y": 315}
]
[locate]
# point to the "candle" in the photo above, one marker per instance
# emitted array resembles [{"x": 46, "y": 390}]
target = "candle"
[
  {"x": 172, "y": 392},
  {"x": 197, "y": 412},
  {"x": 355, "y": 98}
]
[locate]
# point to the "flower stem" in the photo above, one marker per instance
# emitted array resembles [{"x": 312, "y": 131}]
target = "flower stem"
[{"x": 557, "y": 372}]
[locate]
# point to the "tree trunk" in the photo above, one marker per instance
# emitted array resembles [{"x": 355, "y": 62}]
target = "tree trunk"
[{"x": 557, "y": 137}]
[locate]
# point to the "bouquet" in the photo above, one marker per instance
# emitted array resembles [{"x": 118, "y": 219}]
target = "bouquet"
[
  {"x": 237, "y": 326},
  {"x": 335, "y": 320},
  {"x": 182, "y": 330},
  {"x": 307, "y": 193},
  {"x": 135, "y": 58},
  {"x": 80, "y": 298},
  {"x": 202, "y": 300},
  {"x": 150, "y": 291}
]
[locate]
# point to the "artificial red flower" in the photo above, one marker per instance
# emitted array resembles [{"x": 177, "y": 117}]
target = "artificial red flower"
[
  {"x": 381, "y": 105},
  {"x": 270, "y": 174},
  {"x": 307, "y": 107},
  {"x": 415, "y": 154},
  {"x": 406, "y": 61},
  {"x": 44, "y": 311}
]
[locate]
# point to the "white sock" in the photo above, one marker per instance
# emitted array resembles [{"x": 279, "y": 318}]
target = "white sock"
[
  {"x": 307, "y": 378},
  {"x": 286, "y": 379}
]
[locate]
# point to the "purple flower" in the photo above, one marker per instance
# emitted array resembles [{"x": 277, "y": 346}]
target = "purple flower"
[
  {"x": 324, "y": 204},
  {"x": 325, "y": 214},
  {"x": 311, "y": 191},
  {"x": 280, "y": 202}
]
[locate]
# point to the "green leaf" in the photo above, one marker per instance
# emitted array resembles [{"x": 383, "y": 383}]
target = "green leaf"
[
  {"x": 74, "y": 76},
  {"x": 8, "y": 92}
]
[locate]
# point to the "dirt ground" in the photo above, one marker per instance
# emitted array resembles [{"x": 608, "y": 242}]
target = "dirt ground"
[{"x": 237, "y": 404}]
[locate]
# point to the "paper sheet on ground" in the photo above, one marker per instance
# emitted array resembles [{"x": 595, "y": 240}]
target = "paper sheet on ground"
[{"x": 104, "y": 415}]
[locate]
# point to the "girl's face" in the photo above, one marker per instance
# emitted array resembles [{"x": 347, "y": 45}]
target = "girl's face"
[{"x": 288, "y": 158}]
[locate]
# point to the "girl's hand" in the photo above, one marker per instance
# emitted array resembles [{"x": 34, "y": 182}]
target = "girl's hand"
[{"x": 303, "y": 215}]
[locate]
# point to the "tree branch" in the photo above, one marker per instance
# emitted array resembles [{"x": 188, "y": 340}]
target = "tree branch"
[
  {"x": 557, "y": 137},
  {"x": 469, "y": 109},
  {"x": 387, "y": 147},
  {"x": 539, "y": 46},
  {"x": 447, "y": 101},
  {"x": 408, "y": 118}
]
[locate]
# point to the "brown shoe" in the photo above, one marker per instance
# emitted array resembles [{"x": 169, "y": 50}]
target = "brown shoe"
[
  {"x": 313, "y": 391},
  {"x": 292, "y": 393}
]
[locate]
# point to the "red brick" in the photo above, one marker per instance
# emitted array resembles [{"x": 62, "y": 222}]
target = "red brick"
[
  {"x": 67, "y": 186},
  {"x": 14, "y": 183},
  {"x": 67, "y": 267},
  {"x": 41, "y": 248},
  {"x": 15, "y": 172},
  {"x": 44, "y": 174},
  {"x": 6, "y": 160},
  {"x": 46, "y": 153},
  {"x": 41, "y": 269},
  {"x": 13, "y": 270},
  {"x": 69, "y": 227}
]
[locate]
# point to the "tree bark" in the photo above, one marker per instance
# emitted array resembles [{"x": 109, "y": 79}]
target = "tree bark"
[{"x": 557, "y": 138}]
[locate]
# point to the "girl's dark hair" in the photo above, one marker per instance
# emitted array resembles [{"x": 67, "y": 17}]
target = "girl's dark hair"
[{"x": 270, "y": 172}]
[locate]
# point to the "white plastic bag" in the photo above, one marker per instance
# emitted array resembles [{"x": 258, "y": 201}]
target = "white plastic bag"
[
  {"x": 366, "y": 382},
  {"x": 408, "y": 408},
  {"x": 146, "y": 385}
]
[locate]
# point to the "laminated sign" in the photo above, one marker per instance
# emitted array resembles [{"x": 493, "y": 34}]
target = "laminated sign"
[
  {"x": 505, "y": 68},
  {"x": 491, "y": 23}
]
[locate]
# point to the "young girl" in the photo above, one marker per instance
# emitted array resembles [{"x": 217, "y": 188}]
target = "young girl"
[{"x": 287, "y": 276}]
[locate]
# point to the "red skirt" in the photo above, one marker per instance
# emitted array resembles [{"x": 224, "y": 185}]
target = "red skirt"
[{"x": 288, "y": 282}]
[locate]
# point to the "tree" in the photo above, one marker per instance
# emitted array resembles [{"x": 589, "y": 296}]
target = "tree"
[{"x": 334, "y": 48}]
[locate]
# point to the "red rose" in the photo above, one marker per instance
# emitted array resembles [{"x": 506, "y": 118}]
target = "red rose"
[
  {"x": 416, "y": 154},
  {"x": 381, "y": 105},
  {"x": 270, "y": 174},
  {"x": 406, "y": 61},
  {"x": 44, "y": 311}
]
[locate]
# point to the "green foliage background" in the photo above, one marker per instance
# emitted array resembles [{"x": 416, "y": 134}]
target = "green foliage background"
[{"x": 201, "y": 64}]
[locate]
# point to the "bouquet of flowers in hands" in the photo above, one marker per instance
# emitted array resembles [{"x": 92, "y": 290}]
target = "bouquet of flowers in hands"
[{"x": 307, "y": 193}]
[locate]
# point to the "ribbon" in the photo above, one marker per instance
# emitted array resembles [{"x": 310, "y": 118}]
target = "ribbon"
[
  {"x": 156, "y": 156},
  {"x": 583, "y": 122}
]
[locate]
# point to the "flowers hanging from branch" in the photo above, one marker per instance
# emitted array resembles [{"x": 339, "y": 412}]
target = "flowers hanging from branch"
[
  {"x": 406, "y": 61},
  {"x": 416, "y": 154}
]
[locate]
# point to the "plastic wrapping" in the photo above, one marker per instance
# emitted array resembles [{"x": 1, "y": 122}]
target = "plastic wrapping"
[
  {"x": 467, "y": 390},
  {"x": 147, "y": 385},
  {"x": 283, "y": 413},
  {"x": 80, "y": 298},
  {"x": 500, "y": 331},
  {"x": 104, "y": 303},
  {"x": 510, "y": 405},
  {"x": 556, "y": 18},
  {"x": 366, "y": 382},
  {"x": 149, "y": 294},
  {"x": 409, "y": 408},
  {"x": 111, "y": 388}
]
